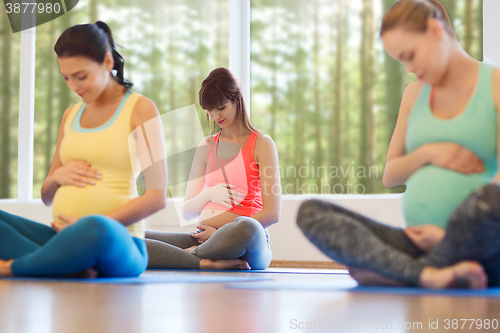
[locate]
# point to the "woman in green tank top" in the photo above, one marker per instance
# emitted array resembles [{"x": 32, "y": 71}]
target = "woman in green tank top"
[
  {"x": 445, "y": 143},
  {"x": 445, "y": 149}
]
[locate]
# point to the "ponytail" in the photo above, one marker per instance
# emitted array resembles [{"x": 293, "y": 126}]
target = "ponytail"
[
  {"x": 92, "y": 41},
  {"x": 117, "y": 57}
]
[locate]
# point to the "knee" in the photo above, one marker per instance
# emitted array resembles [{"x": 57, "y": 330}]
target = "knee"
[
  {"x": 484, "y": 201},
  {"x": 4, "y": 215},
  {"x": 306, "y": 211},
  {"x": 247, "y": 227},
  {"x": 97, "y": 229},
  {"x": 311, "y": 211},
  {"x": 488, "y": 193}
]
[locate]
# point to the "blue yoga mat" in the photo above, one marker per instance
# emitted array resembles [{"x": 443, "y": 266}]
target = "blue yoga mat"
[
  {"x": 143, "y": 279},
  {"x": 267, "y": 270},
  {"x": 351, "y": 286}
]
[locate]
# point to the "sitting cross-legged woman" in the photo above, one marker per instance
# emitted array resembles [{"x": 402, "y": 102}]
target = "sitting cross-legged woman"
[
  {"x": 98, "y": 227},
  {"x": 233, "y": 189}
]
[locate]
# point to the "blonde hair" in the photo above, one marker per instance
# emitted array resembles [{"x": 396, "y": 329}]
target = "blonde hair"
[
  {"x": 220, "y": 87},
  {"x": 413, "y": 15}
]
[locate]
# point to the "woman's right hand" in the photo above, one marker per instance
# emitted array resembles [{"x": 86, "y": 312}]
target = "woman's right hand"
[
  {"x": 77, "y": 173},
  {"x": 222, "y": 194},
  {"x": 455, "y": 157}
]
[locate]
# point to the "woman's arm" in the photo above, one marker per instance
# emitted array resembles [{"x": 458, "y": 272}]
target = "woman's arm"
[
  {"x": 196, "y": 197},
  {"x": 399, "y": 166},
  {"x": 496, "y": 100},
  {"x": 50, "y": 186},
  {"x": 266, "y": 155},
  {"x": 155, "y": 175}
]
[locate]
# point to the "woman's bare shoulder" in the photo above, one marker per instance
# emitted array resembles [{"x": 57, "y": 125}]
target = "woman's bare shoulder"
[
  {"x": 264, "y": 141},
  {"x": 410, "y": 96}
]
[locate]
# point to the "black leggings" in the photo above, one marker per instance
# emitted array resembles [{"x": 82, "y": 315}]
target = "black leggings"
[
  {"x": 473, "y": 233},
  {"x": 243, "y": 238}
]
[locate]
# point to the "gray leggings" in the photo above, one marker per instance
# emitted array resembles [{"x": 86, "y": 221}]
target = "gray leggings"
[
  {"x": 244, "y": 238},
  {"x": 473, "y": 233}
]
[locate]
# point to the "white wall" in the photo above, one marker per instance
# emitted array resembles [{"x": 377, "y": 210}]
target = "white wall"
[
  {"x": 491, "y": 28},
  {"x": 287, "y": 241}
]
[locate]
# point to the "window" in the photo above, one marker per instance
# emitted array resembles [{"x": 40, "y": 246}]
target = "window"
[{"x": 9, "y": 106}]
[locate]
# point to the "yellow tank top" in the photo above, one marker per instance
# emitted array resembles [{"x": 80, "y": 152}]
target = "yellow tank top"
[{"x": 107, "y": 148}]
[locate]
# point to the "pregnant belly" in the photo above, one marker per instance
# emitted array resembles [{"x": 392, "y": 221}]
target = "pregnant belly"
[
  {"x": 433, "y": 193},
  {"x": 216, "y": 218},
  {"x": 97, "y": 199}
]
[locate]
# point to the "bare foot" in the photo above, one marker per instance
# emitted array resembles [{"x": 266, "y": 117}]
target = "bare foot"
[
  {"x": 90, "y": 273},
  {"x": 224, "y": 264},
  {"x": 465, "y": 274},
  {"x": 190, "y": 249},
  {"x": 5, "y": 269},
  {"x": 365, "y": 277}
]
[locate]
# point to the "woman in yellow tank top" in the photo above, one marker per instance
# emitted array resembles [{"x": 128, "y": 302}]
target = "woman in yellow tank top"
[{"x": 98, "y": 226}]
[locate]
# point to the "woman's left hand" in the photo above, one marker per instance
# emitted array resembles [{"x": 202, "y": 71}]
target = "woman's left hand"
[
  {"x": 204, "y": 235},
  {"x": 69, "y": 220}
]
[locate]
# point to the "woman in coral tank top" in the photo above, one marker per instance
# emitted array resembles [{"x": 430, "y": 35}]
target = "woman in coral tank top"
[
  {"x": 233, "y": 189},
  {"x": 98, "y": 227}
]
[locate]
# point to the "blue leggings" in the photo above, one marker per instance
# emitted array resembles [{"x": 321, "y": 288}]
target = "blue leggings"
[{"x": 95, "y": 241}]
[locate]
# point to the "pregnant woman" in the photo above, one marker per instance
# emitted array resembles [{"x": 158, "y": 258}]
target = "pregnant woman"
[
  {"x": 98, "y": 226},
  {"x": 234, "y": 190},
  {"x": 445, "y": 149}
]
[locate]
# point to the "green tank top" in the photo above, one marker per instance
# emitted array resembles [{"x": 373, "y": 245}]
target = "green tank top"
[{"x": 433, "y": 193}]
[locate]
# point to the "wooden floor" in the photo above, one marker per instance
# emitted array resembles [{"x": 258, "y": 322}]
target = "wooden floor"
[{"x": 47, "y": 307}]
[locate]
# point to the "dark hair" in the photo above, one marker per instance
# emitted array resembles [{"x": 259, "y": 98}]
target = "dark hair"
[
  {"x": 413, "y": 15},
  {"x": 220, "y": 87},
  {"x": 91, "y": 41}
]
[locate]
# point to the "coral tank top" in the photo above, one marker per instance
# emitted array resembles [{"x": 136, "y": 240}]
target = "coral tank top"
[{"x": 242, "y": 171}]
